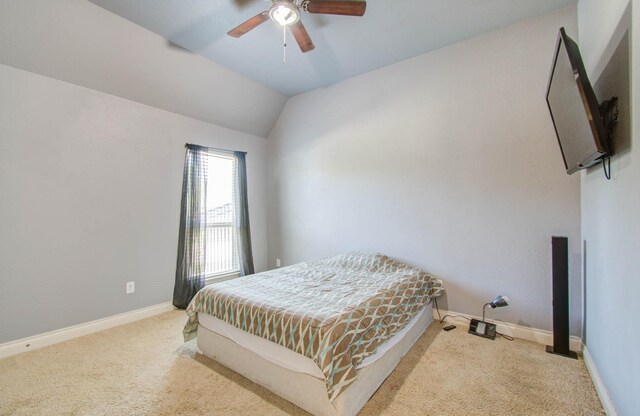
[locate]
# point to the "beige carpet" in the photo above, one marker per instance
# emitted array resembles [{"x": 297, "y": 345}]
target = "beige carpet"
[{"x": 144, "y": 369}]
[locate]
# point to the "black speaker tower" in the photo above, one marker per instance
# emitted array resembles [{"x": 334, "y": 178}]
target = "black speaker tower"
[{"x": 560, "y": 256}]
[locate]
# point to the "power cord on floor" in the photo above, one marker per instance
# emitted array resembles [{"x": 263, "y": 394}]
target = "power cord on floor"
[{"x": 442, "y": 318}]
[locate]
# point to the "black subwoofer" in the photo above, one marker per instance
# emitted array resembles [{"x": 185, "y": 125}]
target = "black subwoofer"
[{"x": 560, "y": 259}]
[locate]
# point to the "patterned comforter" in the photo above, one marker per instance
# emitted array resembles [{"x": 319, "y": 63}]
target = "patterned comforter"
[{"x": 335, "y": 311}]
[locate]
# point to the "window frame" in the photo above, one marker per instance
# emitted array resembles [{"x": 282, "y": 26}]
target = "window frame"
[
  {"x": 220, "y": 277},
  {"x": 228, "y": 274}
]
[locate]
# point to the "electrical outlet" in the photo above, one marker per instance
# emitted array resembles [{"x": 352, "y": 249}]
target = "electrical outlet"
[
  {"x": 131, "y": 287},
  {"x": 278, "y": 263}
]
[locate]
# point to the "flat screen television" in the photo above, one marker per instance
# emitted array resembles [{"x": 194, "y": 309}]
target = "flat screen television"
[{"x": 574, "y": 109}]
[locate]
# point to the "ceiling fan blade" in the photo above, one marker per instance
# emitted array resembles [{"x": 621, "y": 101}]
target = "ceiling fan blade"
[
  {"x": 250, "y": 24},
  {"x": 346, "y": 8},
  {"x": 302, "y": 36}
]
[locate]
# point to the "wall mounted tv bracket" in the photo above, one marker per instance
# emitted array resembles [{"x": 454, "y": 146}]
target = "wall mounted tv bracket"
[{"x": 609, "y": 112}]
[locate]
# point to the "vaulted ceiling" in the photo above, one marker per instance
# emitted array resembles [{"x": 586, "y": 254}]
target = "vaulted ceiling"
[
  {"x": 175, "y": 54},
  {"x": 83, "y": 44},
  {"x": 390, "y": 31}
]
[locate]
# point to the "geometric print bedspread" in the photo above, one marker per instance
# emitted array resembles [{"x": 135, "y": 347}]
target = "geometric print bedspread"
[{"x": 335, "y": 311}]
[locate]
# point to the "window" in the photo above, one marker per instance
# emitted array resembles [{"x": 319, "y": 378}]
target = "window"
[
  {"x": 214, "y": 239},
  {"x": 221, "y": 238}
]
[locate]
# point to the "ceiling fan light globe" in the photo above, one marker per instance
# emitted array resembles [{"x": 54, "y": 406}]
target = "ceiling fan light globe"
[{"x": 284, "y": 14}]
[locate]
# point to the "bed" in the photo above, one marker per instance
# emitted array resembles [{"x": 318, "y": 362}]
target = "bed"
[{"x": 323, "y": 335}]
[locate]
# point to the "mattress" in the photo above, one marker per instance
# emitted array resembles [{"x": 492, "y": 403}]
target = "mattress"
[
  {"x": 286, "y": 358},
  {"x": 304, "y": 390},
  {"x": 336, "y": 312}
]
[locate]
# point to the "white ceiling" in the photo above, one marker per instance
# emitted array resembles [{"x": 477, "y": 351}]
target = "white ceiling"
[{"x": 390, "y": 31}]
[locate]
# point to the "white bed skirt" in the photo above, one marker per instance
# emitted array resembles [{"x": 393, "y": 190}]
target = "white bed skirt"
[{"x": 304, "y": 390}]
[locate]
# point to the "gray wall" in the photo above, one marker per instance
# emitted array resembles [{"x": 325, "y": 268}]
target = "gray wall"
[
  {"x": 610, "y": 209},
  {"x": 90, "y": 187},
  {"x": 447, "y": 161}
]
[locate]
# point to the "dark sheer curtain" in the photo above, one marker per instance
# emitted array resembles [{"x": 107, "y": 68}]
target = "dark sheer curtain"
[
  {"x": 243, "y": 231},
  {"x": 190, "y": 269}
]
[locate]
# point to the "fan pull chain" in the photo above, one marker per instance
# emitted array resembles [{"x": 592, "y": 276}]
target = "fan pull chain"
[{"x": 284, "y": 37}]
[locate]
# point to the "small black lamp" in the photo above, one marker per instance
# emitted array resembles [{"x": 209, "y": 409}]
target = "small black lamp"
[{"x": 483, "y": 328}]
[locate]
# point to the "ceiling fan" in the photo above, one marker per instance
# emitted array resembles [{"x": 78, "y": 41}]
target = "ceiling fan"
[{"x": 287, "y": 13}]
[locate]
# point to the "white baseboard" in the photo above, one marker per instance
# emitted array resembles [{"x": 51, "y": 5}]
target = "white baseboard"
[
  {"x": 64, "y": 334},
  {"x": 539, "y": 336},
  {"x": 607, "y": 404}
]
